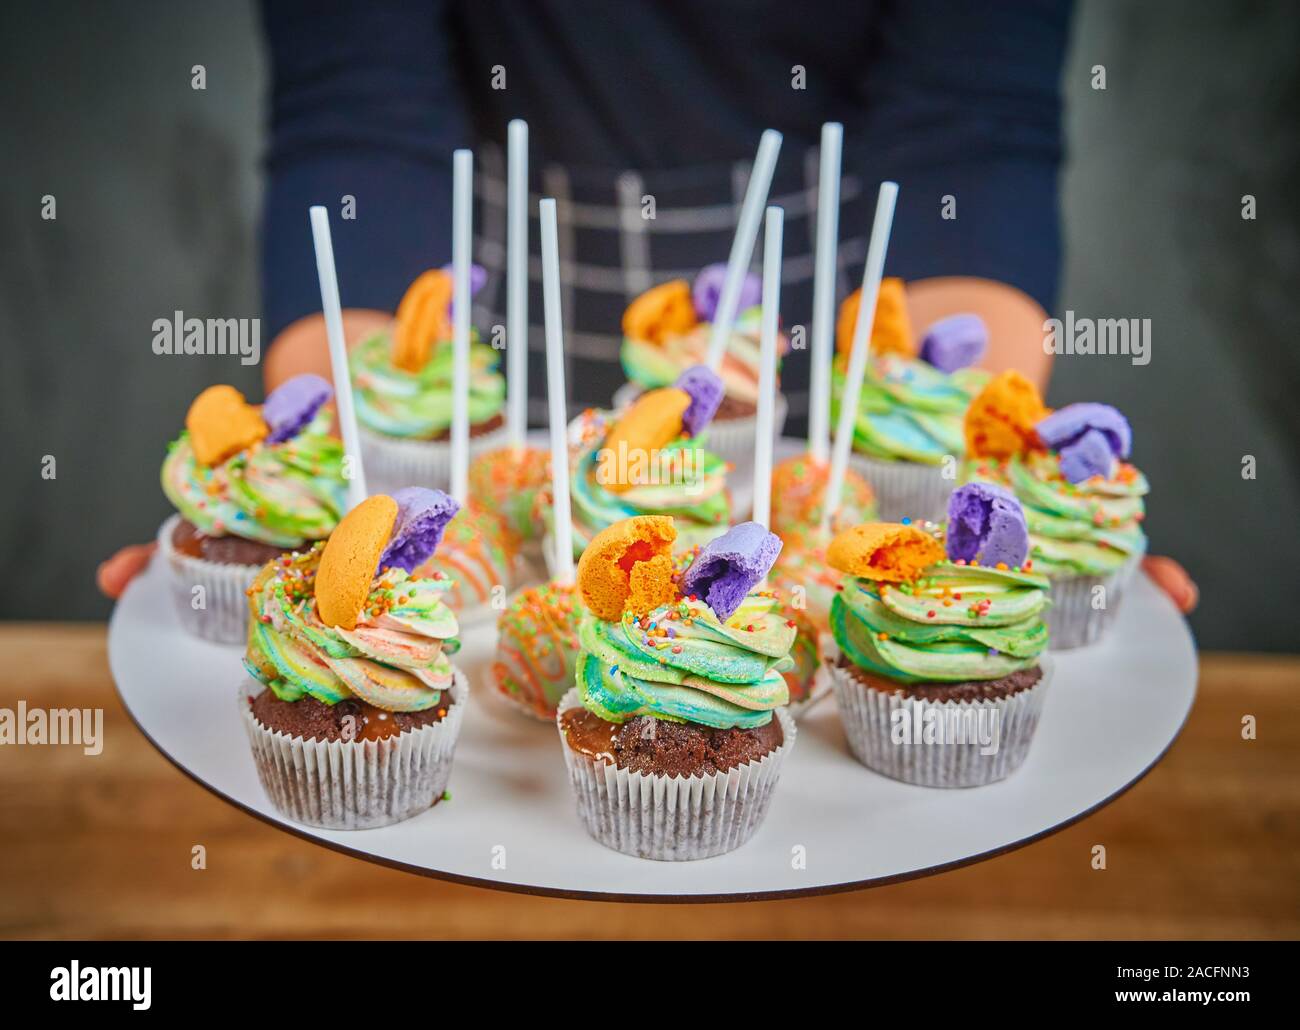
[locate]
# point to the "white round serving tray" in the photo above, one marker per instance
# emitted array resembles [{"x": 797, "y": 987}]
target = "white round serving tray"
[{"x": 510, "y": 823}]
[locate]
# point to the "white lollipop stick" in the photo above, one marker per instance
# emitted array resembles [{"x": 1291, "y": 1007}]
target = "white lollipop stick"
[
  {"x": 329, "y": 299},
  {"x": 824, "y": 276},
  {"x": 871, "y": 274},
  {"x": 742, "y": 247},
  {"x": 563, "y": 535},
  {"x": 517, "y": 283},
  {"x": 767, "y": 367},
  {"x": 462, "y": 192}
]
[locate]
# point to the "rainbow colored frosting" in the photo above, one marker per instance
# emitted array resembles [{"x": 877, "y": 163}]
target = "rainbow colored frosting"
[
  {"x": 681, "y": 663},
  {"x": 697, "y": 498},
  {"x": 396, "y": 658},
  {"x": 417, "y": 405},
  {"x": 276, "y": 493}
]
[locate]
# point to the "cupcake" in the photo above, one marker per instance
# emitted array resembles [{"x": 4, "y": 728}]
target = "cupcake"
[
  {"x": 941, "y": 676},
  {"x": 247, "y": 483},
  {"x": 907, "y": 436},
  {"x": 356, "y": 708},
  {"x": 675, "y": 734},
  {"x": 1083, "y": 501},
  {"x": 537, "y": 648},
  {"x": 650, "y": 461},
  {"x": 402, "y": 380},
  {"x": 666, "y": 330}
]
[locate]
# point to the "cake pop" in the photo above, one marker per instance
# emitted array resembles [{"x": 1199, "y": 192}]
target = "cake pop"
[
  {"x": 511, "y": 481},
  {"x": 537, "y": 635}
]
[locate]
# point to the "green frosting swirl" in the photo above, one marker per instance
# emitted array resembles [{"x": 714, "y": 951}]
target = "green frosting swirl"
[
  {"x": 698, "y": 503},
  {"x": 682, "y": 664},
  {"x": 1075, "y": 529},
  {"x": 417, "y": 405},
  {"x": 396, "y": 658},
  {"x": 280, "y": 494},
  {"x": 908, "y": 410},
  {"x": 955, "y": 624}
]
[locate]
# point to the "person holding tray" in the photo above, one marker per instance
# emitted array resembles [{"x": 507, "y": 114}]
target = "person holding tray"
[{"x": 648, "y": 143}]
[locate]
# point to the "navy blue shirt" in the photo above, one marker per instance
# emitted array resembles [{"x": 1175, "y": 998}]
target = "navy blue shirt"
[{"x": 368, "y": 100}]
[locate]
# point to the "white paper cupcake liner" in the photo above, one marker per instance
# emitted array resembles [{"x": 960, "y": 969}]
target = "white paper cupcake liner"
[
  {"x": 1072, "y": 621},
  {"x": 869, "y": 722},
  {"x": 673, "y": 818},
  {"x": 355, "y": 785},
  {"x": 906, "y": 489},
  {"x": 731, "y": 439},
  {"x": 392, "y": 463},
  {"x": 219, "y": 612}
]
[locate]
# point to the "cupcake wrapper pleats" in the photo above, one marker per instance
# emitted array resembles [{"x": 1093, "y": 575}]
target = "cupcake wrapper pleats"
[
  {"x": 218, "y": 612},
  {"x": 906, "y": 489},
  {"x": 355, "y": 785},
  {"x": 870, "y": 721},
  {"x": 1072, "y": 621},
  {"x": 673, "y": 818}
]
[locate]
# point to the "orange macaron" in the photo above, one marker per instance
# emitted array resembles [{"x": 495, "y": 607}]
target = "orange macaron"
[
  {"x": 666, "y": 310},
  {"x": 888, "y": 552},
  {"x": 891, "y": 331},
  {"x": 422, "y": 319},
  {"x": 221, "y": 423},
  {"x": 350, "y": 560},
  {"x": 1001, "y": 419},
  {"x": 628, "y": 562}
]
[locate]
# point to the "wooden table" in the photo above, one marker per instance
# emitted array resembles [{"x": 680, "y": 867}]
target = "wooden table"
[{"x": 1208, "y": 845}]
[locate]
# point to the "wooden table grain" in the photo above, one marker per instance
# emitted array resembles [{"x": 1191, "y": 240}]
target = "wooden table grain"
[{"x": 1206, "y": 846}]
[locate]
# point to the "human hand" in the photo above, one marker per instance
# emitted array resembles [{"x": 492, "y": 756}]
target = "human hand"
[
  {"x": 1173, "y": 579},
  {"x": 114, "y": 574}
]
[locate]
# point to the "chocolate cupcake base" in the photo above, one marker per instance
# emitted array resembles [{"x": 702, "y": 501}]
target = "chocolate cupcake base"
[
  {"x": 208, "y": 596},
  {"x": 940, "y": 735},
  {"x": 354, "y": 784},
  {"x": 674, "y": 817},
  {"x": 392, "y": 462},
  {"x": 1072, "y": 619}
]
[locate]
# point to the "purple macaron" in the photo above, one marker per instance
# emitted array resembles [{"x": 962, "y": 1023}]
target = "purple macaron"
[
  {"x": 1090, "y": 455},
  {"x": 1066, "y": 425},
  {"x": 292, "y": 405},
  {"x": 707, "y": 291},
  {"x": 422, "y": 517},
  {"x": 955, "y": 342},
  {"x": 987, "y": 525},
  {"x": 729, "y": 567},
  {"x": 705, "y": 389}
]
